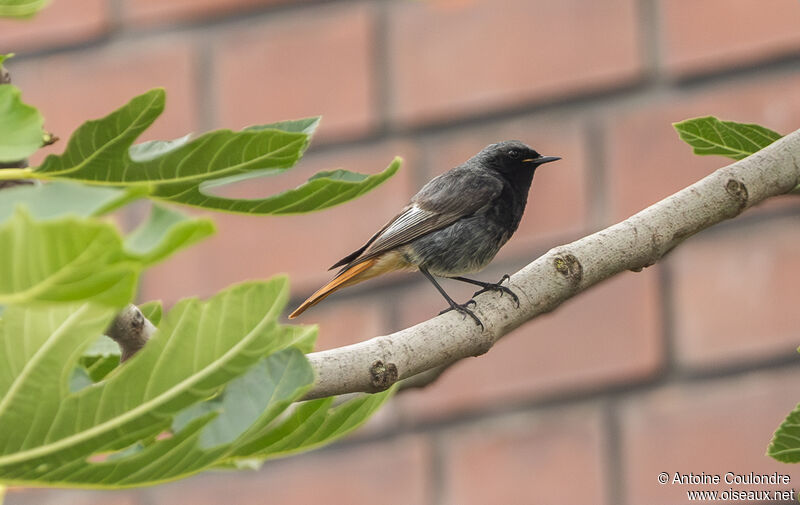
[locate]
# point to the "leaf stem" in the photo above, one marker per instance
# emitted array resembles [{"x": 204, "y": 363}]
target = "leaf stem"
[{"x": 10, "y": 174}]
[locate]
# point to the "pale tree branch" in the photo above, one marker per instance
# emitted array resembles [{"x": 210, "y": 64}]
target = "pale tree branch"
[{"x": 635, "y": 243}]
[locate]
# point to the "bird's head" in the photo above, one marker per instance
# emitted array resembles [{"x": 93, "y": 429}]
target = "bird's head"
[{"x": 512, "y": 158}]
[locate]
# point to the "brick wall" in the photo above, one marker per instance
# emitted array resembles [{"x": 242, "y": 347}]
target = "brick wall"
[{"x": 687, "y": 366}]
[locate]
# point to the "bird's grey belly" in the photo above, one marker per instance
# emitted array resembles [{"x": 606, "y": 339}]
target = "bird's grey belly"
[{"x": 466, "y": 246}]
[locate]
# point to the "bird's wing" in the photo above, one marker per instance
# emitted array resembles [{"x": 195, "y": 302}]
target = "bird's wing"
[{"x": 445, "y": 199}]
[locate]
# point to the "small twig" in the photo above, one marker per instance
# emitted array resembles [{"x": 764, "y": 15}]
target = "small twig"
[{"x": 131, "y": 331}]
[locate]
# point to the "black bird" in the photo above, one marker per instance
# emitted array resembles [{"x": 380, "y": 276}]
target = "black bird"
[{"x": 455, "y": 225}]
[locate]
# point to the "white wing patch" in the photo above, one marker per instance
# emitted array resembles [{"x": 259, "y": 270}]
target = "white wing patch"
[
  {"x": 411, "y": 224},
  {"x": 414, "y": 215}
]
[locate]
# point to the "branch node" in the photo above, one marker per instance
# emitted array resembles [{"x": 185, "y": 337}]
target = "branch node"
[
  {"x": 383, "y": 375},
  {"x": 130, "y": 330},
  {"x": 681, "y": 234},
  {"x": 49, "y": 139},
  {"x": 483, "y": 347},
  {"x": 569, "y": 266},
  {"x": 738, "y": 191}
]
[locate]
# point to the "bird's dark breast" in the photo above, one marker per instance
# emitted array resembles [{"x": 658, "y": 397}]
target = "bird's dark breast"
[{"x": 469, "y": 244}]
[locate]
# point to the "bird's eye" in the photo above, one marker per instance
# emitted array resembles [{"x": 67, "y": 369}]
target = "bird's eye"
[{"x": 513, "y": 154}]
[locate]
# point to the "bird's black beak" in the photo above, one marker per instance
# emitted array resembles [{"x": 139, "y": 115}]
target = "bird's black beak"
[{"x": 541, "y": 160}]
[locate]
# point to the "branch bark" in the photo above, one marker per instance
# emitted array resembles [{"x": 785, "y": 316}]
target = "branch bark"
[
  {"x": 558, "y": 275},
  {"x": 131, "y": 331}
]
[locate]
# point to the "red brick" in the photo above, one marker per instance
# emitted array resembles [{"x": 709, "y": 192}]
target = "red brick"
[
  {"x": 301, "y": 65},
  {"x": 452, "y": 59},
  {"x": 304, "y": 246},
  {"x": 557, "y": 205},
  {"x": 609, "y": 335},
  {"x": 713, "y": 427},
  {"x": 701, "y": 36},
  {"x": 734, "y": 294},
  {"x": 148, "y": 12},
  {"x": 349, "y": 320},
  {"x": 394, "y": 472},
  {"x": 554, "y": 458},
  {"x": 71, "y": 88},
  {"x": 646, "y": 159},
  {"x": 61, "y": 23},
  {"x": 22, "y": 496}
]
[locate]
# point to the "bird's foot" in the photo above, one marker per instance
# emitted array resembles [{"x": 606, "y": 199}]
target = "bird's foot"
[
  {"x": 464, "y": 310},
  {"x": 497, "y": 286}
]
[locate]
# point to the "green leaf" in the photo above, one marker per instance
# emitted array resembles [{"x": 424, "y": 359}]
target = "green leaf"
[
  {"x": 71, "y": 259},
  {"x": 99, "y": 367},
  {"x": 56, "y": 199},
  {"x": 322, "y": 190},
  {"x": 302, "y": 337},
  {"x": 184, "y": 170},
  {"x": 54, "y": 337},
  {"x": 785, "y": 444},
  {"x": 64, "y": 260},
  {"x": 80, "y": 379},
  {"x": 207, "y": 352},
  {"x": 104, "y": 354},
  {"x": 254, "y": 400},
  {"x": 152, "y": 311},
  {"x": 197, "y": 349},
  {"x": 709, "y": 135},
  {"x": 21, "y": 8},
  {"x": 307, "y": 125},
  {"x": 98, "y": 153},
  {"x": 210, "y": 431},
  {"x": 103, "y": 346},
  {"x": 20, "y": 125},
  {"x": 100, "y": 359},
  {"x": 150, "y": 150},
  {"x": 164, "y": 232},
  {"x": 311, "y": 424}
]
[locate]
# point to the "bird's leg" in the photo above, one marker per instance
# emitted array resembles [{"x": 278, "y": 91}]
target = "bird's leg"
[
  {"x": 453, "y": 305},
  {"x": 490, "y": 286}
]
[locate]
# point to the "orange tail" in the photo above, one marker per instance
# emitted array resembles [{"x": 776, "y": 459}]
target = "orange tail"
[{"x": 347, "y": 278}]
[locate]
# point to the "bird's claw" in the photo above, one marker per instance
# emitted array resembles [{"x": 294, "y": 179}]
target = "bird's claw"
[
  {"x": 498, "y": 287},
  {"x": 464, "y": 310}
]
